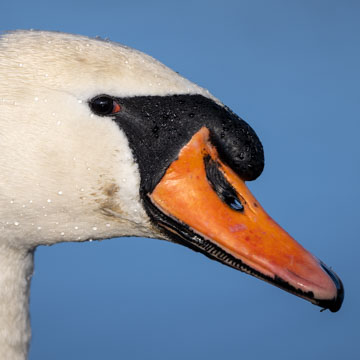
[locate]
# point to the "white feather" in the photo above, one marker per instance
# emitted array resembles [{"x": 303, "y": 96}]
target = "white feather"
[{"x": 66, "y": 174}]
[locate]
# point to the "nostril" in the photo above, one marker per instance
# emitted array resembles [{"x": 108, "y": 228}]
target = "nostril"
[{"x": 221, "y": 186}]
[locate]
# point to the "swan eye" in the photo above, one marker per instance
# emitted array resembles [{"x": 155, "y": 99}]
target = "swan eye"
[{"x": 104, "y": 105}]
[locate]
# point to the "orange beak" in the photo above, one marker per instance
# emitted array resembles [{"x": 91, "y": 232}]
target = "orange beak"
[{"x": 206, "y": 206}]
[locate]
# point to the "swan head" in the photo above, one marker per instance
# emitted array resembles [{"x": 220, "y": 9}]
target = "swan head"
[{"x": 99, "y": 140}]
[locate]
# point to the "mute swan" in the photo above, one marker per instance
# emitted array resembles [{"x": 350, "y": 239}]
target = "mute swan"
[{"x": 98, "y": 140}]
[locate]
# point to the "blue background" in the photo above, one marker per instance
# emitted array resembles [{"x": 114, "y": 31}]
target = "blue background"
[{"x": 291, "y": 69}]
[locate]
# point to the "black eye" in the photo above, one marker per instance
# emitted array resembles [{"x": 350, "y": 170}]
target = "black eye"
[{"x": 104, "y": 105}]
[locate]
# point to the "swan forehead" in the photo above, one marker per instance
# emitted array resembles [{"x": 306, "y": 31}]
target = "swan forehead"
[{"x": 87, "y": 67}]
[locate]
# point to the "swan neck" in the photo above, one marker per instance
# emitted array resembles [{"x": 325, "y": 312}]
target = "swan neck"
[{"x": 16, "y": 268}]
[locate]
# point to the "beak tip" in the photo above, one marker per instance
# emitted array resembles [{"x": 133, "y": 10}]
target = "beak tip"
[{"x": 334, "y": 305}]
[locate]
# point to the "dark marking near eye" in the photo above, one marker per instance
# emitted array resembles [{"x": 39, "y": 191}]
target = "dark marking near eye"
[
  {"x": 221, "y": 186},
  {"x": 158, "y": 127}
]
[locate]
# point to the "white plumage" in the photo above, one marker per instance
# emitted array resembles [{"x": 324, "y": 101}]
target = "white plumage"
[{"x": 66, "y": 174}]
